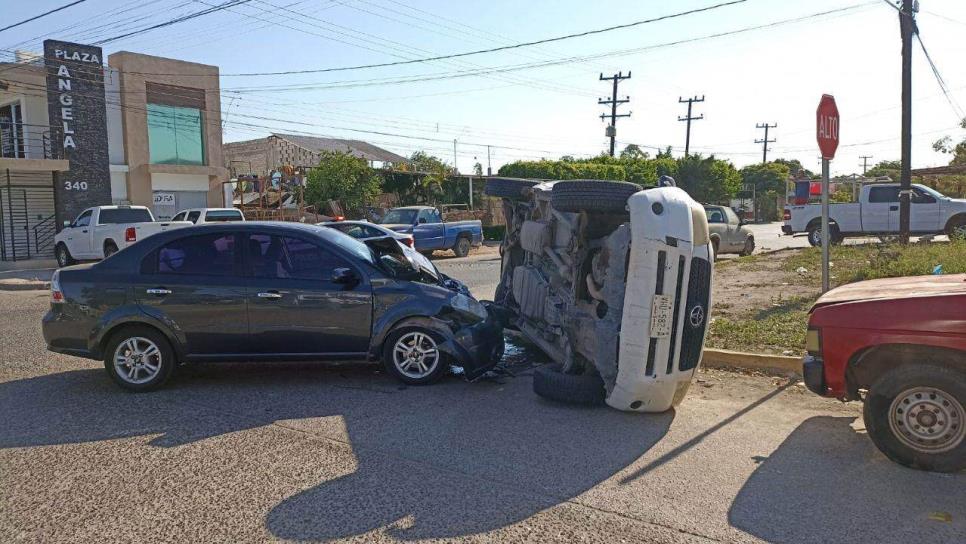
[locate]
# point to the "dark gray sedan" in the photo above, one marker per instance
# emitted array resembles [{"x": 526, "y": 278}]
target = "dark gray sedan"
[{"x": 267, "y": 291}]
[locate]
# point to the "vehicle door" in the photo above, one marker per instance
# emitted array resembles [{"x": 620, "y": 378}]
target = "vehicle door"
[
  {"x": 78, "y": 236},
  {"x": 195, "y": 285},
  {"x": 735, "y": 239},
  {"x": 430, "y": 230},
  {"x": 924, "y": 212},
  {"x": 880, "y": 213},
  {"x": 296, "y": 304}
]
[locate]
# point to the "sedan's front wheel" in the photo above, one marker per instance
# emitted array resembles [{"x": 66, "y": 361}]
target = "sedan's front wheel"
[
  {"x": 139, "y": 359},
  {"x": 412, "y": 355}
]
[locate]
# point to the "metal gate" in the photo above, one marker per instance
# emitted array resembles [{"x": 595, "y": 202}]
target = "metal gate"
[{"x": 27, "y": 221}]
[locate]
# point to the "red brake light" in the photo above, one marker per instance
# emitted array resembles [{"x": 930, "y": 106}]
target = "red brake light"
[
  {"x": 56, "y": 295},
  {"x": 787, "y": 216},
  {"x": 339, "y": 218},
  {"x": 130, "y": 234},
  {"x": 408, "y": 241}
]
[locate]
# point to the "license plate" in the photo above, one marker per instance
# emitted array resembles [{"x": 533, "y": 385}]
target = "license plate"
[{"x": 661, "y": 312}]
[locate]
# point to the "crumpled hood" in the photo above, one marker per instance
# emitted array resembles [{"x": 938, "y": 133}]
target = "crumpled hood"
[{"x": 893, "y": 288}]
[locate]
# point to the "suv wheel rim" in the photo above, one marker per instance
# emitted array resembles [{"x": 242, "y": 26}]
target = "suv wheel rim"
[
  {"x": 415, "y": 355},
  {"x": 927, "y": 420},
  {"x": 137, "y": 360}
]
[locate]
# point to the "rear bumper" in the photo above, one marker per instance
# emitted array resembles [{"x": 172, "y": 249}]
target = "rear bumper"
[
  {"x": 61, "y": 336},
  {"x": 787, "y": 229},
  {"x": 813, "y": 370}
]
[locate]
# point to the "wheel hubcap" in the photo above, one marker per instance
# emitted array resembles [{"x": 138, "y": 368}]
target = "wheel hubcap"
[
  {"x": 137, "y": 360},
  {"x": 928, "y": 420},
  {"x": 415, "y": 355}
]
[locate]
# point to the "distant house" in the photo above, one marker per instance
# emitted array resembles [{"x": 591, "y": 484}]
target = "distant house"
[{"x": 263, "y": 155}]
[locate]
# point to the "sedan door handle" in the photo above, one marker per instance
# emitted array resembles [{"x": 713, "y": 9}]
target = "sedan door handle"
[
  {"x": 158, "y": 291},
  {"x": 272, "y": 295}
]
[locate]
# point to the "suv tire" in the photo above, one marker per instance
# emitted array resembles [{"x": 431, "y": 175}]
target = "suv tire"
[
  {"x": 511, "y": 188},
  {"x": 926, "y": 396},
  {"x": 592, "y": 196},
  {"x": 584, "y": 389}
]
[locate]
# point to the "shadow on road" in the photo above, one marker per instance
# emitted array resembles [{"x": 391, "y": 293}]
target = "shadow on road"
[
  {"x": 828, "y": 483},
  {"x": 443, "y": 461}
]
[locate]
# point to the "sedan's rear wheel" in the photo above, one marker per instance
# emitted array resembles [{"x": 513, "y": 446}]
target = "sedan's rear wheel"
[
  {"x": 412, "y": 355},
  {"x": 916, "y": 415},
  {"x": 139, "y": 359}
]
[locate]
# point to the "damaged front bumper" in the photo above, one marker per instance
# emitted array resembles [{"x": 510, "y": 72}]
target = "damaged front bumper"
[{"x": 477, "y": 348}]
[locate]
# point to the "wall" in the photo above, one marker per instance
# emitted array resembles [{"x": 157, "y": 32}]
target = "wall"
[{"x": 27, "y": 84}]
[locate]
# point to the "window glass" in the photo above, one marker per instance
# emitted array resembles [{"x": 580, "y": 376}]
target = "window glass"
[
  {"x": 884, "y": 194},
  {"x": 203, "y": 255},
  {"x": 921, "y": 197},
  {"x": 732, "y": 217},
  {"x": 215, "y": 216},
  {"x": 399, "y": 216},
  {"x": 179, "y": 217},
  {"x": 116, "y": 216},
  {"x": 286, "y": 257},
  {"x": 175, "y": 135},
  {"x": 193, "y": 216},
  {"x": 83, "y": 219},
  {"x": 11, "y": 132},
  {"x": 372, "y": 232},
  {"x": 715, "y": 215}
]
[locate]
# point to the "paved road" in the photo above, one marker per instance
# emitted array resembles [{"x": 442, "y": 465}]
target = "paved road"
[{"x": 298, "y": 452}]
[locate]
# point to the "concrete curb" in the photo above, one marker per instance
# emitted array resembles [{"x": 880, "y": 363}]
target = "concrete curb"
[
  {"x": 755, "y": 361},
  {"x": 23, "y": 285}
]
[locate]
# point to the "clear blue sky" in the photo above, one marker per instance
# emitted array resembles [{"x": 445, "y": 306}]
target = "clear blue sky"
[{"x": 774, "y": 75}]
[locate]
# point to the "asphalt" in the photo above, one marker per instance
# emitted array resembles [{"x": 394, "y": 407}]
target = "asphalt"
[{"x": 314, "y": 452}]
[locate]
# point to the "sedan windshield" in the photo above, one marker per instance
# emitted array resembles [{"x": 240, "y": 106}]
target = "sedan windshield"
[{"x": 399, "y": 217}]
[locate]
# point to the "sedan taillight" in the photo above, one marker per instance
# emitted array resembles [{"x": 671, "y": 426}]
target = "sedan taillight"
[
  {"x": 56, "y": 295},
  {"x": 787, "y": 216},
  {"x": 130, "y": 234}
]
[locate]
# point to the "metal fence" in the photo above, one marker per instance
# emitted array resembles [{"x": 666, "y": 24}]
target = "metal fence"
[{"x": 27, "y": 224}]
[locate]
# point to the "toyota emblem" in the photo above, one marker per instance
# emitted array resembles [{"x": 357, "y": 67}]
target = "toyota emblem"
[{"x": 696, "y": 317}]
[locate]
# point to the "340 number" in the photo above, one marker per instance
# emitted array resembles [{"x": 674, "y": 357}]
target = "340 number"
[{"x": 75, "y": 186}]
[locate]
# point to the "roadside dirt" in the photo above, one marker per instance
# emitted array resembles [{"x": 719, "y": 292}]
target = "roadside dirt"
[{"x": 755, "y": 283}]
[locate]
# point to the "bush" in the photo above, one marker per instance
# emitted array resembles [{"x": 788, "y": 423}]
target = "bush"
[
  {"x": 342, "y": 177},
  {"x": 495, "y": 232}
]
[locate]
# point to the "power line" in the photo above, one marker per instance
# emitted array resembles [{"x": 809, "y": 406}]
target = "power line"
[
  {"x": 176, "y": 20},
  {"x": 35, "y": 17},
  {"x": 689, "y": 118},
  {"x": 939, "y": 79}
]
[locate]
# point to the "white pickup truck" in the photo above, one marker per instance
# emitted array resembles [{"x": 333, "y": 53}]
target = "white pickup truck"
[
  {"x": 102, "y": 231},
  {"x": 877, "y": 214}
]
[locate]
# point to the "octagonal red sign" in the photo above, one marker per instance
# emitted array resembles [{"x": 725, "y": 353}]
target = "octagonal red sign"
[{"x": 827, "y": 126}]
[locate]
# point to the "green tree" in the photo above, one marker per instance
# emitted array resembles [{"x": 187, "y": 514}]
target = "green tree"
[
  {"x": 478, "y": 169},
  {"x": 957, "y": 150},
  {"x": 795, "y": 168},
  {"x": 707, "y": 179},
  {"x": 769, "y": 180},
  {"x": 633, "y": 152},
  {"x": 342, "y": 177},
  {"x": 885, "y": 168}
]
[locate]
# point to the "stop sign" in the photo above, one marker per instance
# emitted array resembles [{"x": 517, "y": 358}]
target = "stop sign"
[{"x": 827, "y": 126}]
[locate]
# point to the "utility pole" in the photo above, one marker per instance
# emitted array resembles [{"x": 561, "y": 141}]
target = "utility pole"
[
  {"x": 611, "y": 131},
  {"x": 456, "y": 169},
  {"x": 765, "y": 141},
  {"x": 687, "y": 138},
  {"x": 865, "y": 163},
  {"x": 489, "y": 170},
  {"x": 907, "y": 26}
]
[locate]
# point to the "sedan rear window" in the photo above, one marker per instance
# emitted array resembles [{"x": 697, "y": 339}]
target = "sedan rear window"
[
  {"x": 115, "y": 216},
  {"x": 217, "y": 216}
]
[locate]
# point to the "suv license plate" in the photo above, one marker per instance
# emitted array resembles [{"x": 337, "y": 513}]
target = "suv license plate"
[{"x": 661, "y": 311}]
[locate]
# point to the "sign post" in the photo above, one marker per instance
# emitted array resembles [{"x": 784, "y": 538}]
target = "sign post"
[{"x": 827, "y": 134}]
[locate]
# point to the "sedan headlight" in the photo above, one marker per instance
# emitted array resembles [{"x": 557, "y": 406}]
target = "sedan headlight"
[
  {"x": 813, "y": 342},
  {"x": 468, "y": 305}
]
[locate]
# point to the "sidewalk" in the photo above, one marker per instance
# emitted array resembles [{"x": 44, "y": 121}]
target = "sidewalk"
[{"x": 27, "y": 279}]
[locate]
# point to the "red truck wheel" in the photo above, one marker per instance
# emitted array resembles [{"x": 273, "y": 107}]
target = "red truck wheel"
[{"x": 916, "y": 415}]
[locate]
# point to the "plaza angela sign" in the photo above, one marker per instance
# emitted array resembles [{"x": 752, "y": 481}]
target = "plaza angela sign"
[{"x": 77, "y": 112}]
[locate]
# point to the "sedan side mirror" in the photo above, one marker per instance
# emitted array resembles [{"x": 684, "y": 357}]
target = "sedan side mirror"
[{"x": 345, "y": 276}]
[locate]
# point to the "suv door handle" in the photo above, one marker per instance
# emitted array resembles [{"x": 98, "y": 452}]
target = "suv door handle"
[
  {"x": 271, "y": 295},
  {"x": 158, "y": 291}
]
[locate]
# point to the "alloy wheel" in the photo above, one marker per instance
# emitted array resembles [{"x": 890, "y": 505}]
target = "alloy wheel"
[
  {"x": 928, "y": 420},
  {"x": 415, "y": 355},
  {"x": 137, "y": 360}
]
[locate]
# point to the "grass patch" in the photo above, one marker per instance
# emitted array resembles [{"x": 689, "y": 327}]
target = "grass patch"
[
  {"x": 872, "y": 261},
  {"x": 774, "y": 329}
]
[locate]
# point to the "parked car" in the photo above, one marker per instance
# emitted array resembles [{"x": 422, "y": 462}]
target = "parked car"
[
  {"x": 258, "y": 291},
  {"x": 899, "y": 345},
  {"x": 102, "y": 231},
  {"x": 877, "y": 214},
  {"x": 200, "y": 216},
  {"x": 364, "y": 230},
  {"x": 728, "y": 233},
  {"x": 611, "y": 281},
  {"x": 431, "y": 233}
]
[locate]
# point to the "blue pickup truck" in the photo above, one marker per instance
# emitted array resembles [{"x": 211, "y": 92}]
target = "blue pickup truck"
[{"x": 431, "y": 233}]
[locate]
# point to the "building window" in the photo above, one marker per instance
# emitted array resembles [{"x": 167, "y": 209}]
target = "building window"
[
  {"x": 11, "y": 132},
  {"x": 175, "y": 135}
]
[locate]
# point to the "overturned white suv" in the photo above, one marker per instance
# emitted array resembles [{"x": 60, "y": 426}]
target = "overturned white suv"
[{"x": 613, "y": 282}]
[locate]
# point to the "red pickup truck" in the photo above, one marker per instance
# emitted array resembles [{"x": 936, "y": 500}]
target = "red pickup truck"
[{"x": 899, "y": 345}]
